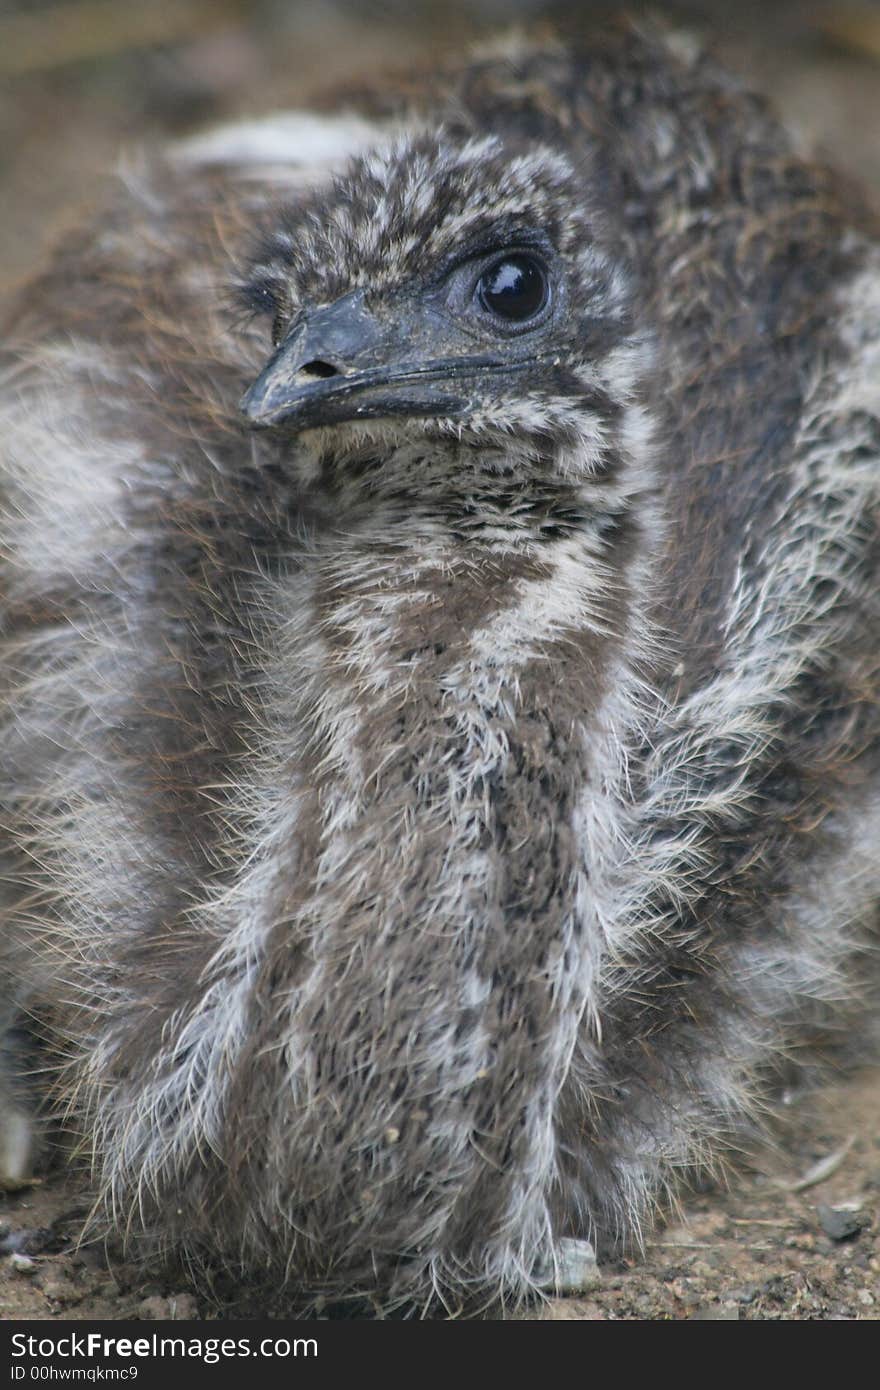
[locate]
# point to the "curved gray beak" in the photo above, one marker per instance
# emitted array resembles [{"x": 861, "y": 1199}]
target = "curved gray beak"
[{"x": 341, "y": 362}]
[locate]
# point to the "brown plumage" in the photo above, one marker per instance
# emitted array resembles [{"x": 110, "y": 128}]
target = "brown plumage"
[{"x": 439, "y": 720}]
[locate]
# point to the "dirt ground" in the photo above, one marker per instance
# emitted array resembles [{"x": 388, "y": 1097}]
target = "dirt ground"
[
  {"x": 795, "y": 1234},
  {"x": 781, "y": 1242}
]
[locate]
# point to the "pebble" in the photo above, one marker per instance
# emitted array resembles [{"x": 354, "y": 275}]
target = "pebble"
[
  {"x": 22, "y": 1264},
  {"x": 840, "y": 1223},
  {"x": 575, "y": 1270}
]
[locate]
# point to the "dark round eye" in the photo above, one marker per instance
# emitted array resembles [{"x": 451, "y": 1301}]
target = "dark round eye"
[{"x": 514, "y": 289}]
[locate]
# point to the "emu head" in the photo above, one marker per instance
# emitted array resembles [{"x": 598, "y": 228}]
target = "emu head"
[{"x": 457, "y": 308}]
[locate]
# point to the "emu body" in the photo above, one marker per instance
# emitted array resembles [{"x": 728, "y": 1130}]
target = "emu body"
[{"x": 440, "y": 748}]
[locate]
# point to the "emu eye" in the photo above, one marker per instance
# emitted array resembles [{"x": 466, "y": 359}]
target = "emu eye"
[{"x": 514, "y": 289}]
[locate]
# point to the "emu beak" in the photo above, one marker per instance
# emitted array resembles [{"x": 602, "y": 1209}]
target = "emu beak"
[{"x": 342, "y": 363}]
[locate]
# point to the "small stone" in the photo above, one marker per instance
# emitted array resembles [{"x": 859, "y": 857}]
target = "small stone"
[
  {"x": 866, "y": 1297},
  {"x": 842, "y": 1223},
  {"x": 26, "y": 1240},
  {"x": 22, "y": 1264},
  {"x": 574, "y": 1271}
]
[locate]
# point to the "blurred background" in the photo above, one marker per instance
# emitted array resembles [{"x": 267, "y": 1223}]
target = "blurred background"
[{"x": 81, "y": 81}]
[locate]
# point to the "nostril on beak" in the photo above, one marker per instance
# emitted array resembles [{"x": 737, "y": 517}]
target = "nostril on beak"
[{"x": 317, "y": 369}]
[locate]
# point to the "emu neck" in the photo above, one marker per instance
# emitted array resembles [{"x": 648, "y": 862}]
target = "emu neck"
[
  {"x": 446, "y": 702},
  {"x": 452, "y": 632}
]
